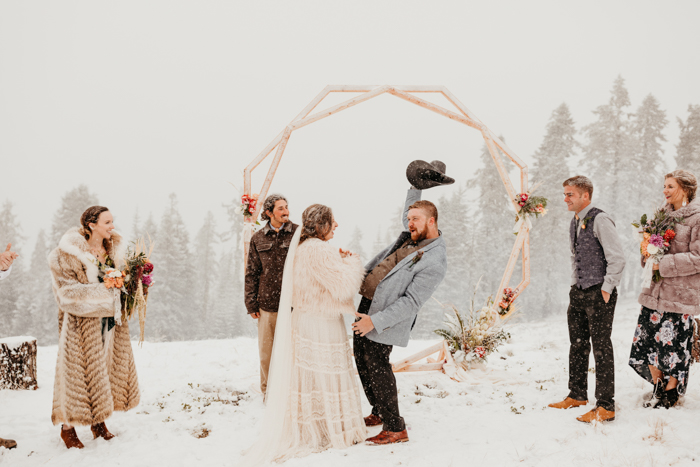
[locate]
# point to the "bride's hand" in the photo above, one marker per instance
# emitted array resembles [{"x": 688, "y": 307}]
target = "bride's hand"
[{"x": 344, "y": 253}]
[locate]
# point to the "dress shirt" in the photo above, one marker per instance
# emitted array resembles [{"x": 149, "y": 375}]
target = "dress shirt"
[{"x": 606, "y": 233}]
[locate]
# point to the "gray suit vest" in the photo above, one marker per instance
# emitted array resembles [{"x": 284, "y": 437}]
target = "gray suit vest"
[{"x": 589, "y": 257}]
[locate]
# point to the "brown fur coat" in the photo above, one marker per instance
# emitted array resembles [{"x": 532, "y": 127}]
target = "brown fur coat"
[{"x": 92, "y": 378}]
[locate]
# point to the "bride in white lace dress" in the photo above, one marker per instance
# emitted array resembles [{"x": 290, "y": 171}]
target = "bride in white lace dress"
[{"x": 313, "y": 398}]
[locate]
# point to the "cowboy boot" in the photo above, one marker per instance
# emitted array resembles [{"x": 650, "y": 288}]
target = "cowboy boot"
[
  {"x": 567, "y": 403},
  {"x": 656, "y": 395},
  {"x": 100, "y": 430},
  {"x": 8, "y": 443},
  {"x": 70, "y": 437},
  {"x": 599, "y": 414}
]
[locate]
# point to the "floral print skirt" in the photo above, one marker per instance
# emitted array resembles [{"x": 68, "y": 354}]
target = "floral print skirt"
[{"x": 663, "y": 340}]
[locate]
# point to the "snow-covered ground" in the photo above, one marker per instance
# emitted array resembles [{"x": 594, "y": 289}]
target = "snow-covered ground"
[{"x": 199, "y": 407}]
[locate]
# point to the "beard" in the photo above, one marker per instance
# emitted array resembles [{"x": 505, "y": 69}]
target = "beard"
[
  {"x": 281, "y": 219},
  {"x": 419, "y": 235}
]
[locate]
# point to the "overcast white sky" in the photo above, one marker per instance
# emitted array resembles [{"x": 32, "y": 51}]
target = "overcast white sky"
[{"x": 138, "y": 99}]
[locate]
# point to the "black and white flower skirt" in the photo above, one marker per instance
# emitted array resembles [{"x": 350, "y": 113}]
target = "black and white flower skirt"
[{"x": 663, "y": 340}]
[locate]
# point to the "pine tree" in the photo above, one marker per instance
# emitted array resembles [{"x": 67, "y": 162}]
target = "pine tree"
[
  {"x": 205, "y": 272},
  {"x": 378, "y": 244},
  {"x": 136, "y": 226},
  {"x": 493, "y": 226},
  {"x": 226, "y": 314},
  {"x": 610, "y": 154},
  {"x": 73, "y": 204},
  {"x": 41, "y": 305},
  {"x": 170, "y": 312},
  {"x": 648, "y": 167},
  {"x": 356, "y": 244},
  {"x": 13, "y": 320},
  {"x": 230, "y": 295},
  {"x": 549, "y": 237},
  {"x": 688, "y": 147}
]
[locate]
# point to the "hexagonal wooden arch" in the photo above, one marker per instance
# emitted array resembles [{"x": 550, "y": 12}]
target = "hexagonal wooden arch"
[{"x": 407, "y": 93}]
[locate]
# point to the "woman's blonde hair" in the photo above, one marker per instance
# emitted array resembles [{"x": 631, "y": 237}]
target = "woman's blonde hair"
[{"x": 687, "y": 182}]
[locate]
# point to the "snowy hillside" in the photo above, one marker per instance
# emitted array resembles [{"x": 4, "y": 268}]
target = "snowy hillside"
[{"x": 198, "y": 407}]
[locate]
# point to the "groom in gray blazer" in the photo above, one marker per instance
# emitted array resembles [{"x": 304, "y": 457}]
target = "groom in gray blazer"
[{"x": 399, "y": 281}]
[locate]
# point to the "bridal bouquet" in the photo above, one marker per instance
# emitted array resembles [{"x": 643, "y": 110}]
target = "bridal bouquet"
[
  {"x": 473, "y": 337},
  {"x": 137, "y": 282},
  {"x": 113, "y": 278},
  {"x": 655, "y": 237},
  {"x": 529, "y": 205}
]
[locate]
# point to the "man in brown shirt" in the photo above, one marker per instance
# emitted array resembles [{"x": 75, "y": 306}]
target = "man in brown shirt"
[{"x": 263, "y": 276}]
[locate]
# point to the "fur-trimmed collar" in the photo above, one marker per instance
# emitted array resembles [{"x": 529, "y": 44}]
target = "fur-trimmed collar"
[
  {"x": 686, "y": 211},
  {"x": 73, "y": 242}
]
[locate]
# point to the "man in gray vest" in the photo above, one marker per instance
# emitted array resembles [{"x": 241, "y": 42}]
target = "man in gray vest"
[{"x": 597, "y": 262}]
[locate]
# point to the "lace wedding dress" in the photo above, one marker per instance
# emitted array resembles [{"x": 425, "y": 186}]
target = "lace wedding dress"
[{"x": 313, "y": 397}]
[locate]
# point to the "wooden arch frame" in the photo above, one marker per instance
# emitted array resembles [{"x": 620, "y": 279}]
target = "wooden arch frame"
[{"x": 407, "y": 93}]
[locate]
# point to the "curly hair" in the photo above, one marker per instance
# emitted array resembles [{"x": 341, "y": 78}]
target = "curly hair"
[
  {"x": 686, "y": 180},
  {"x": 316, "y": 222},
  {"x": 269, "y": 205}
]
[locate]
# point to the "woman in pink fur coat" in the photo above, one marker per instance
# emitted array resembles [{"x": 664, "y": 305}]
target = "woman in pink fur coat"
[{"x": 663, "y": 339}]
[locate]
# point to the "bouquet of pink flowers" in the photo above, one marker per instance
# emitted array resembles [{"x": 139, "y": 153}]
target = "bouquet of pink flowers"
[
  {"x": 506, "y": 303},
  {"x": 655, "y": 237},
  {"x": 529, "y": 205},
  {"x": 137, "y": 282}
]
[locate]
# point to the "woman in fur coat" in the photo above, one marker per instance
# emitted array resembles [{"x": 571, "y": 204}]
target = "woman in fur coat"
[
  {"x": 95, "y": 370},
  {"x": 663, "y": 338},
  {"x": 313, "y": 398}
]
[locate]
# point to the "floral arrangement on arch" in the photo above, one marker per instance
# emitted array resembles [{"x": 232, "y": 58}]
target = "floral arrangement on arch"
[
  {"x": 655, "y": 237},
  {"x": 506, "y": 304},
  {"x": 529, "y": 205},
  {"x": 249, "y": 204},
  {"x": 472, "y": 338}
]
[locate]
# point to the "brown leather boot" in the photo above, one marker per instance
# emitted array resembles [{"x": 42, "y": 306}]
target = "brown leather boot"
[
  {"x": 70, "y": 437},
  {"x": 373, "y": 420},
  {"x": 598, "y": 414},
  {"x": 8, "y": 443},
  {"x": 100, "y": 430},
  {"x": 567, "y": 403},
  {"x": 388, "y": 437}
]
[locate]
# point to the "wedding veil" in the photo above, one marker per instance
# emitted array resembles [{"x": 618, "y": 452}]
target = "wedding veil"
[{"x": 277, "y": 433}]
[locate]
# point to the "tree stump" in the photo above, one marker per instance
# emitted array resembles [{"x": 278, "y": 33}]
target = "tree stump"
[{"x": 18, "y": 363}]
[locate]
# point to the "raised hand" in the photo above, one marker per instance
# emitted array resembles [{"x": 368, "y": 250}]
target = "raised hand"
[{"x": 7, "y": 257}]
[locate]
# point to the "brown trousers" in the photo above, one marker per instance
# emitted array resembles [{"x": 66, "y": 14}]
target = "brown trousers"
[{"x": 266, "y": 334}]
